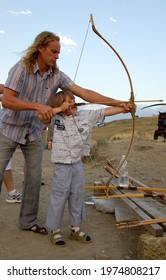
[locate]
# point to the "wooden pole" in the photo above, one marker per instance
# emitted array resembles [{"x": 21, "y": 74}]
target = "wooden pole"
[
  {"x": 140, "y": 223},
  {"x": 131, "y": 195},
  {"x": 125, "y": 188}
]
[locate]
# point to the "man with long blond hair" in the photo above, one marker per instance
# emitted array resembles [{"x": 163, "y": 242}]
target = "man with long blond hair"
[{"x": 29, "y": 85}]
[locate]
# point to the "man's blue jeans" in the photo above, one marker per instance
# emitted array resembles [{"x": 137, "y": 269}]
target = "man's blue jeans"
[{"x": 32, "y": 153}]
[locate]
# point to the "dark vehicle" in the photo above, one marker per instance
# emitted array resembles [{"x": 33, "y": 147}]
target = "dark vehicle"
[{"x": 161, "y": 127}]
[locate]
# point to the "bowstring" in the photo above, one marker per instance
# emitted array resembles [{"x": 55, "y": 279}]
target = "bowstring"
[
  {"x": 83, "y": 46},
  {"x": 78, "y": 64}
]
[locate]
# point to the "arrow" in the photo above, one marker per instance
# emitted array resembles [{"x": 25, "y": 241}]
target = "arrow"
[{"x": 105, "y": 103}]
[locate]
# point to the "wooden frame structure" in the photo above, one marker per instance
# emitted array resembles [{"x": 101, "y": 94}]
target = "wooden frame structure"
[{"x": 147, "y": 204}]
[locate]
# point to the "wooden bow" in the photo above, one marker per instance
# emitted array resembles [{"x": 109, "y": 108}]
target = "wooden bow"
[{"x": 131, "y": 95}]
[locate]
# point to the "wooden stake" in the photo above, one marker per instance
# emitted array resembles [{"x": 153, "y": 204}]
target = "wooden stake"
[{"x": 111, "y": 170}]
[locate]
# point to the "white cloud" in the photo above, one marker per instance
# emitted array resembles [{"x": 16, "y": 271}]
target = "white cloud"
[
  {"x": 112, "y": 19},
  {"x": 27, "y": 12},
  {"x": 2, "y": 32},
  {"x": 67, "y": 44}
]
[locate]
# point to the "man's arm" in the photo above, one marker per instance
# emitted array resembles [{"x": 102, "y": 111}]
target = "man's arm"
[
  {"x": 1, "y": 90},
  {"x": 11, "y": 101},
  {"x": 93, "y": 96}
]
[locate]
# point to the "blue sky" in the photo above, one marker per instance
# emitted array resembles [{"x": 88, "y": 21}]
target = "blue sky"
[{"x": 136, "y": 29}]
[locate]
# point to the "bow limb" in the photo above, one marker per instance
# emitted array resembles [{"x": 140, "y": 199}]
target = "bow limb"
[
  {"x": 125, "y": 67},
  {"x": 159, "y": 104},
  {"x": 131, "y": 94}
]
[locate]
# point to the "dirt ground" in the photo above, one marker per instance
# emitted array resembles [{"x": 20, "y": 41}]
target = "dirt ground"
[{"x": 146, "y": 163}]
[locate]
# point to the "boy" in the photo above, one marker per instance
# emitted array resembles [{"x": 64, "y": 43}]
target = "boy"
[{"x": 71, "y": 141}]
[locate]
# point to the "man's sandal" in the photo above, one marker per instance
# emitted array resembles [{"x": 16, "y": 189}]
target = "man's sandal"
[
  {"x": 80, "y": 236},
  {"x": 56, "y": 239},
  {"x": 37, "y": 229}
]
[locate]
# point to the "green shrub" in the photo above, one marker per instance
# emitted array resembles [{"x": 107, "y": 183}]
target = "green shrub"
[
  {"x": 102, "y": 142},
  {"x": 115, "y": 138}
]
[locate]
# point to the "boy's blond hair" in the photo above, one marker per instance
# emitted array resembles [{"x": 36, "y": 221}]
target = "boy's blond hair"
[{"x": 57, "y": 98}]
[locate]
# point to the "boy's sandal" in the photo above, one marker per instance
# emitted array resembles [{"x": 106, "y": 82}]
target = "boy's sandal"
[
  {"x": 80, "y": 236},
  {"x": 37, "y": 229},
  {"x": 56, "y": 239}
]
